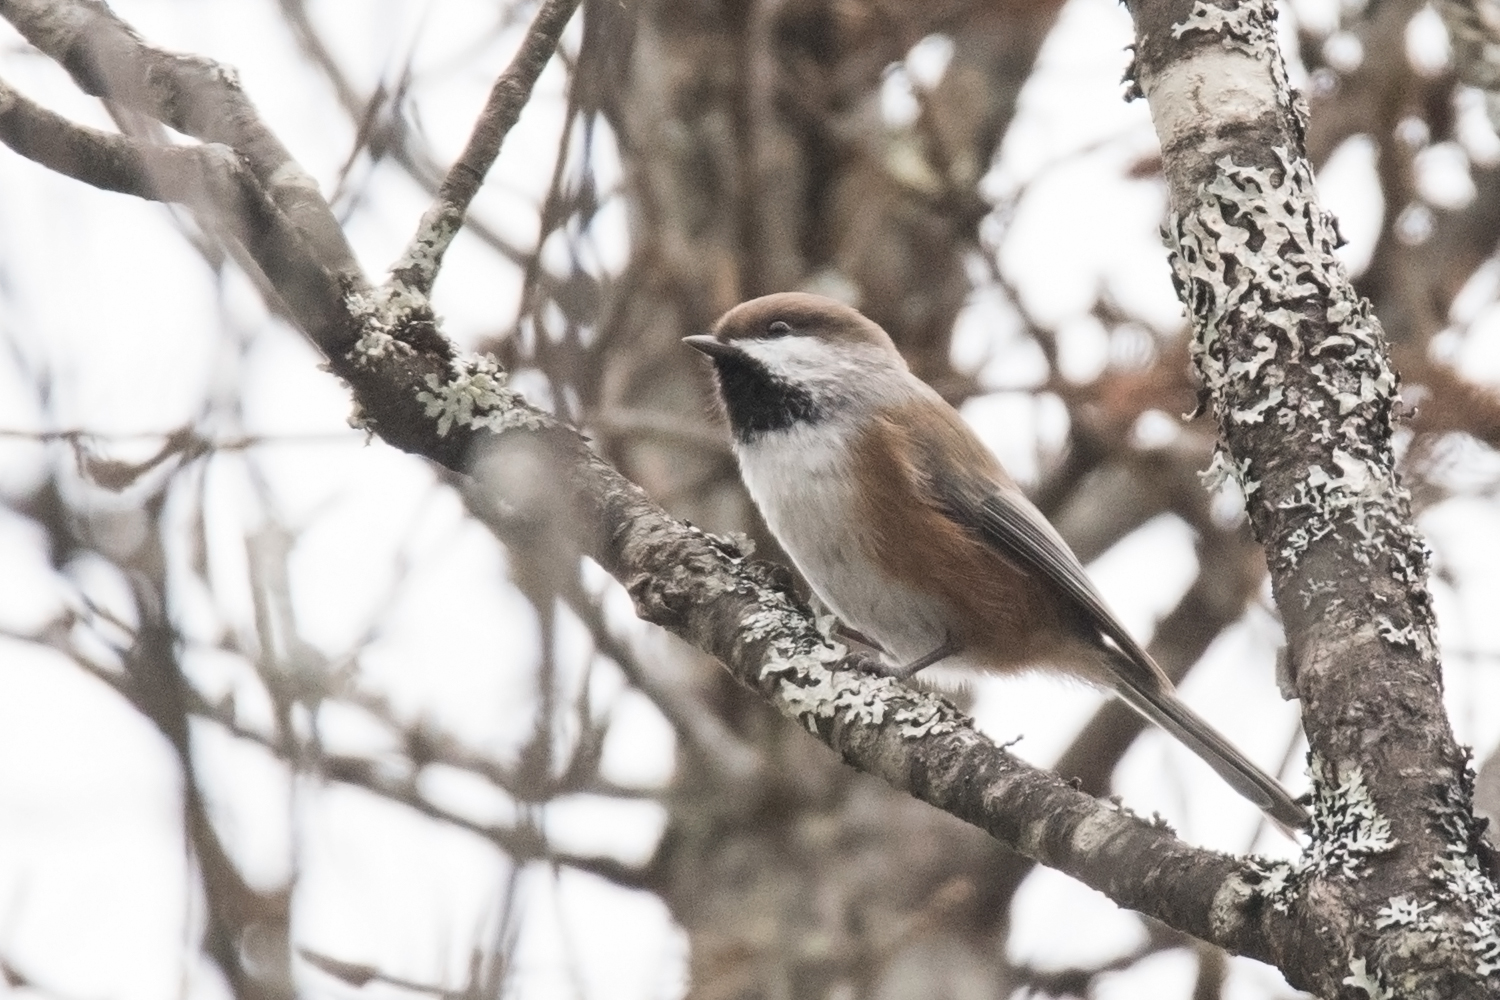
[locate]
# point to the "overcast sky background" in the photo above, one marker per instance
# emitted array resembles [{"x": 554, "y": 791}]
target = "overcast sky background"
[{"x": 136, "y": 336}]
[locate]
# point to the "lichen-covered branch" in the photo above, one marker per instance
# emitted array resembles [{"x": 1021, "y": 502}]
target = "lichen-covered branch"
[
  {"x": 417, "y": 394},
  {"x": 418, "y": 267},
  {"x": 1295, "y": 369},
  {"x": 701, "y": 589}
]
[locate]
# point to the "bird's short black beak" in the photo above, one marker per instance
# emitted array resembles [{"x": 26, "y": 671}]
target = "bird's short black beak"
[{"x": 710, "y": 345}]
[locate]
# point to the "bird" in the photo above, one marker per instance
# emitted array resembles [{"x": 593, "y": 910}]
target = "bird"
[{"x": 912, "y": 533}]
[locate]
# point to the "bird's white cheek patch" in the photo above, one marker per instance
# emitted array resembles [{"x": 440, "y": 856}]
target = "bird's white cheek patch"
[{"x": 787, "y": 353}]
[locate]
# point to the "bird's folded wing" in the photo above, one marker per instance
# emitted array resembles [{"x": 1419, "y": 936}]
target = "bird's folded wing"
[{"x": 1009, "y": 523}]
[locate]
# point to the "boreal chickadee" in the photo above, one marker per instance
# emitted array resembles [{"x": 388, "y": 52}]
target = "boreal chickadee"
[{"x": 909, "y": 529}]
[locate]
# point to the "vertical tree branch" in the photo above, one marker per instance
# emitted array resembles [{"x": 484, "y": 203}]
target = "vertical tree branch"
[{"x": 1295, "y": 368}]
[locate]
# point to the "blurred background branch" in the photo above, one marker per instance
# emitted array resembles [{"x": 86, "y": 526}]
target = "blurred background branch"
[{"x": 450, "y": 764}]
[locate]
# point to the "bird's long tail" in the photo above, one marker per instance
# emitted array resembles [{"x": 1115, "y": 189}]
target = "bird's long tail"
[{"x": 1163, "y": 707}]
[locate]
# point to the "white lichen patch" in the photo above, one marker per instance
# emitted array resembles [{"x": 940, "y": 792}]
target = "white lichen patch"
[
  {"x": 1363, "y": 978},
  {"x": 476, "y": 396},
  {"x": 1229, "y": 283},
  {"x": 1459, "y": 879},
  {"x": 811, "y": 690},
  {"x": 1402, "y": 912},
  {"x": 1404, "y": 635},
  {"x": 922, "y": 720},
  {"x": 1265, "y": 350},
  {"x": 416, "y": 270},
  {"x": 1224, "y": 469},
  {"x": 1255, "y": 255},
  {"x": 377, "y": 342},
  {"x": 360, "y": 420},
  {"x": 1274, "y": 881},
  {"x": 1244, "y": 27},
  {"x": 1256, "y": 412},
  {"x": 820, "y": 693},
  {"x": 770, "y": 622},
  {"x": 1347, "y": 827}
]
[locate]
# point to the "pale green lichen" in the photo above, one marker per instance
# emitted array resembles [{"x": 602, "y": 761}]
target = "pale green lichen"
[
  {"x": 768, "y": 623},
  {"x": 1412, "y": 926},
  {"x": 1346, "y": 830},
  {"x": 1272, "y": 878},
  {"x": 476, "y": 396},
  {"x": 811, "y": 690},
  {"x": 924, "y": 720},
  {"x": 417, "y": 269},
  {"x": 376, "y": 343},
  {"x": 1276, "y": 882},
  {"x": 381, "y": 313}
]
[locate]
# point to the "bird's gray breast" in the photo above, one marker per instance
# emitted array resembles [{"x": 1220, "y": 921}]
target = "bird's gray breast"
[{"x": 804, "y": 482}]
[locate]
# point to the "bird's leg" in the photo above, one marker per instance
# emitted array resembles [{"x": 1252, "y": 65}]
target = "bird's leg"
[
  {"x": 945, "y": 649},
  {"x": 875, "y": 665},
  {"x": 846, "y": 631}
]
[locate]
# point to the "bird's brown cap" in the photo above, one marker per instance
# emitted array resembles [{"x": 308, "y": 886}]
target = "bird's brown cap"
[{"x": 803, "y": 314}]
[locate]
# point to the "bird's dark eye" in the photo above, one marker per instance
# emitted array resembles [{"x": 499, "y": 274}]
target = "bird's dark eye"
[{"x": 779, "y": 329}]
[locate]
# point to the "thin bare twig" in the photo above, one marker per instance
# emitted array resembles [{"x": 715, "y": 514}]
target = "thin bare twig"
[
  {"x": 418, "y": 267},
  {"x": 358, "y": 975}
]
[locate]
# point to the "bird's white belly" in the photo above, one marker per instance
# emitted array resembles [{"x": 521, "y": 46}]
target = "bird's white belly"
[{"x": 801, "y": 481}]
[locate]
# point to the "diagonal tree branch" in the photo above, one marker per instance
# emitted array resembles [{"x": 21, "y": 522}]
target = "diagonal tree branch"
[
  {"x": 416, "y": 394},
  {"x": 107, "y": 160},
  {"x": 194, "y": 95}
]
